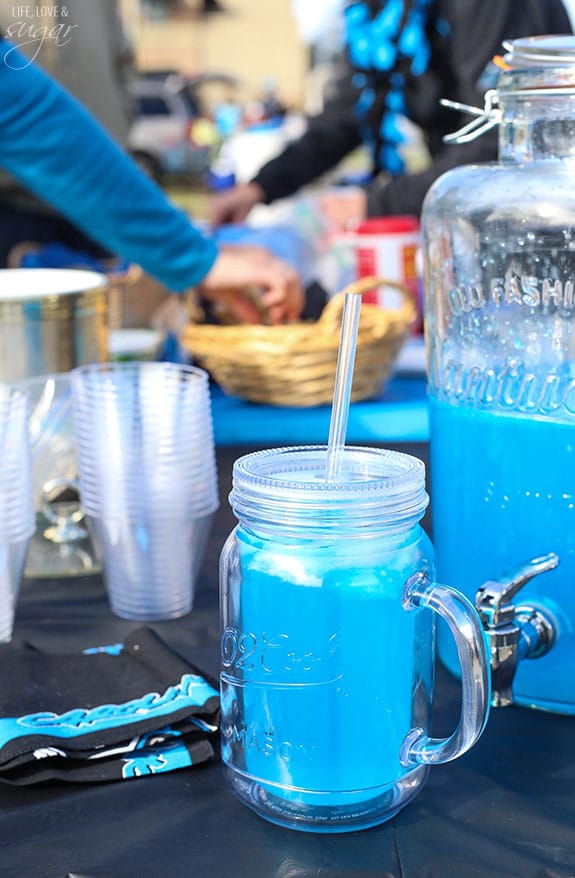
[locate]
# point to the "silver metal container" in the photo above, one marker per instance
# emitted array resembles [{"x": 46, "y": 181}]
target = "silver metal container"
[{"x": 51, "y": 320}]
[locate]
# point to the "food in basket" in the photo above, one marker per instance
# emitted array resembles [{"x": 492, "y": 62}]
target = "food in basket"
[{"x": 294, "y": 364}]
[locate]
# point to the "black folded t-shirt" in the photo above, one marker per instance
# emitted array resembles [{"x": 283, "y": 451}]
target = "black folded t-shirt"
[{"x": 112, "y": 712}]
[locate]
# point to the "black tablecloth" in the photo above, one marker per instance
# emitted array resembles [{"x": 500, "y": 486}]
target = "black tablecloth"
[{"x": 505, "y": 809}]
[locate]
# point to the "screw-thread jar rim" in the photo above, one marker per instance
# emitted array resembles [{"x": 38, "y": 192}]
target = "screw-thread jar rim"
[
  {"x": 536, "y": 66},
  {"x": 379, "y": 489}
]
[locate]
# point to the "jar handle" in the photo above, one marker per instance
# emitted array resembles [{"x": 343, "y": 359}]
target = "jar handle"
[{"x": 465, "y": 626}]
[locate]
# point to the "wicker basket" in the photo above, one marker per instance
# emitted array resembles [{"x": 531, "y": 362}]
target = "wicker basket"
[{"x": 294, "y": 364}]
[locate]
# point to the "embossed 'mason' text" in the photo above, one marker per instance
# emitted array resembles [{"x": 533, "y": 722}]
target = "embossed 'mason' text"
[
  {"x": 528, "y": 291},
  {"x": 251, "y": 737}
]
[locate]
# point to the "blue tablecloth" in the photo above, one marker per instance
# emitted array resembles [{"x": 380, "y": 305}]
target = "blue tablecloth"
[{"x": 400, "y": 414}]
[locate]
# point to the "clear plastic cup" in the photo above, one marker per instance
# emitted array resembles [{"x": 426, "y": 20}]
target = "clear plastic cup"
[
  {"x": 150, "y": 566},
  {"x": 51, "y": 429},
  {"x": 144, "y": 432},
  {"x": 17, "y": 519},
  {"x": 148, "y": 480},
  {"x": 127, "y": 484},
  {"x": 16, "y": 491},
  {"x": 12, "y": 558}
]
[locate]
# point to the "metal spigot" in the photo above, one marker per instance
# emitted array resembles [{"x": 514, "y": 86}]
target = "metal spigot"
[{"x": 513, "y": 632}]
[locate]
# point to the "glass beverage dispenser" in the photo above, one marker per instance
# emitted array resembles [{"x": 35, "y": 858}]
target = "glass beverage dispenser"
[{"x": 500, "y": 327}]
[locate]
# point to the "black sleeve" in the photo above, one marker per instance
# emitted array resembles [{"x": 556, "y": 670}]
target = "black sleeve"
[
  {"x": 477, "y": 29},
  {"x": 404, "y": 195},
  {"x": 329, "y": 138}
]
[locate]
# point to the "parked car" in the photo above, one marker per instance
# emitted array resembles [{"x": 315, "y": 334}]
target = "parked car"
[{"x": 172, "y": 132}]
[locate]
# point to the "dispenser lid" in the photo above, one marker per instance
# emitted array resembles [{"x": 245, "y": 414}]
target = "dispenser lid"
[{"x": 556, "y": 50}]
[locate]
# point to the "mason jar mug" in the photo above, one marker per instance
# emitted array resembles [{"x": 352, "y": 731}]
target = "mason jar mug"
[{"x": 327, "y": 639}]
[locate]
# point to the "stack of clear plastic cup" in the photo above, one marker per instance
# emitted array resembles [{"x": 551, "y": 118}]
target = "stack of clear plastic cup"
[
  {"x": 148, "y": 483},
  {"x": 17, "y": 518}
]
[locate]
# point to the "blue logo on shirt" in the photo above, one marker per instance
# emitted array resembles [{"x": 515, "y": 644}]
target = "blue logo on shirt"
[{"x": 191, "y": 690}]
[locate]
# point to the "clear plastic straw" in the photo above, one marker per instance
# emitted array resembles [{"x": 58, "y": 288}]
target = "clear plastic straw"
[
  {"x": 344, "y": 373},
  {"x": 343, "y": 382}
]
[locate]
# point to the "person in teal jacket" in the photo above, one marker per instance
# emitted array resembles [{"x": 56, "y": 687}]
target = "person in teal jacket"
[{"x": 54, "y": 147}]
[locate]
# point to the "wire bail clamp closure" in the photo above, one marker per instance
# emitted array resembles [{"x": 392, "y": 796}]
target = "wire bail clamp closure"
[{"x": 485, "y": 119}]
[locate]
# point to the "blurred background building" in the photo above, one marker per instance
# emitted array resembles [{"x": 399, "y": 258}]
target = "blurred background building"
[{"x": 251, "y": 39}]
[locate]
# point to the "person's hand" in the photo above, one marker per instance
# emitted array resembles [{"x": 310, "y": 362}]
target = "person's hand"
[
  {"x": 234, "y": 205},
  {"x": 239, "y": 269},
  {"x": 344, "y": 210}
]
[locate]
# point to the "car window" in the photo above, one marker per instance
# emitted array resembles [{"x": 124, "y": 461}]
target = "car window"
[{"x": 152, "y": 105}]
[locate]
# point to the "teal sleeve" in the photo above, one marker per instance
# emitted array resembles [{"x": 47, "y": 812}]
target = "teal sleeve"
[{"x": 53, "y": 146}]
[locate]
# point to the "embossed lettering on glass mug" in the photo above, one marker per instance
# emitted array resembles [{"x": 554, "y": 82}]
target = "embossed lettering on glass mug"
[{"x": 277, "y": 653}]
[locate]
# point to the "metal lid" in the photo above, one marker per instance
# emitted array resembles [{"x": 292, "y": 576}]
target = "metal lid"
[
  {"x": 539, "y": 67},
  {"x": 27, "y": 284},
  {"x": 556, "y": 50}
]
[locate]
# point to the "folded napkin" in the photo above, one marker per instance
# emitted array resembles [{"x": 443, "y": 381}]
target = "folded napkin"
[{"x": 109, "y": 713}]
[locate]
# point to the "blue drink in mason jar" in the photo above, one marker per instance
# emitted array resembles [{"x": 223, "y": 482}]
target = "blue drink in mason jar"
[{"x": 327, "y": 645}]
